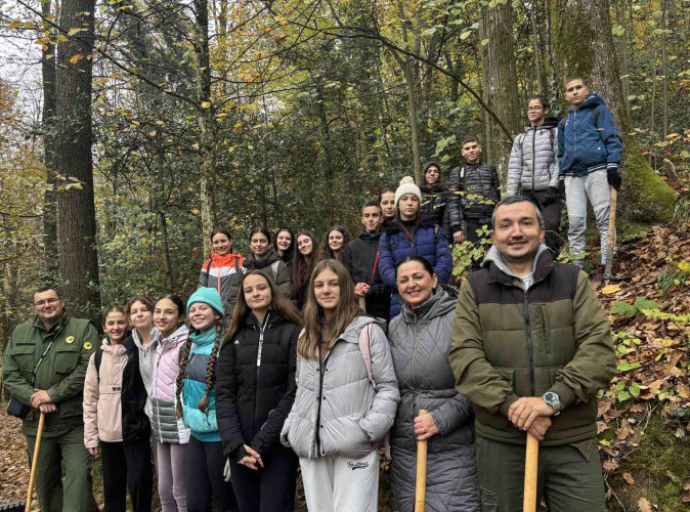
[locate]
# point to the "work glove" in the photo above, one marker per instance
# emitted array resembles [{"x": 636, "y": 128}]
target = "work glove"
[
  {"x": 551, "y": 195},
  {"x": 561, "y": 188},
  {"x": 613, "y": 177},
  {"x": 226, "y": 471}
]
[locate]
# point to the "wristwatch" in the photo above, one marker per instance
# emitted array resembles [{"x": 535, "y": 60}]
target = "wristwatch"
[{"x": 554, "y": 401}]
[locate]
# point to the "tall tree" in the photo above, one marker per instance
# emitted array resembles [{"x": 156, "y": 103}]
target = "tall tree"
[
  {"x": 206, "y": 123},
  {"x": 50, "y": 241},
  {"x": 500, "y": 82},
  {"x": 74, "y": 163},
  {"x": 583, "y": 45}
]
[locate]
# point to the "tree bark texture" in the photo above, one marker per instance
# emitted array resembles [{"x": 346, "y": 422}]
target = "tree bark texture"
[
  {"x": 500, "y": 83},
  {"x": 583, "y": 45},
  {"x": 206, "y": 124},
  {"x": 77, "y": 221},
  {"x": 48, "y": 72}
]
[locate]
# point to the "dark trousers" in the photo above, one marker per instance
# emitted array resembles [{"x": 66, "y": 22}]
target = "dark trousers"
[
  {"x": 567, "y": 480},
  {"x": 127, "y": 465},
  {"x": 552, "y": 218},
  {"x": 204, "y": 478},
  {"x": 270, "y": 489}
]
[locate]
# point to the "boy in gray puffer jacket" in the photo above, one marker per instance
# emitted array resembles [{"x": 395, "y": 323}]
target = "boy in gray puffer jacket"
[{"x": 533, "y": 169}]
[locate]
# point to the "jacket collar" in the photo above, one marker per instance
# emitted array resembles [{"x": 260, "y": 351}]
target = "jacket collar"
[
  {"x": 397, "y": 227},
  {"x": 499, "y": 272},
  {"x": 370, "y": 237},
  {"x": 55, "y": 329}
]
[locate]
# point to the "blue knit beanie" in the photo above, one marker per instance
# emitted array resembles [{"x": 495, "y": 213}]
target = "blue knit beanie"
[{"x": 208, "y": 296}]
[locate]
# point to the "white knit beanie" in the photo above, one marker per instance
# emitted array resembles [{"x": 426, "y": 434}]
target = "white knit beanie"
[{"x": 407, "y": 186}]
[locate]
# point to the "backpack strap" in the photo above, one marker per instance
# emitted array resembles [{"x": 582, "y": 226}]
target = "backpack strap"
[
  {"x": 97, "y": 358},
  {"x": 364, "y": 342},
  {"x": 208, "y": 270},
  {"x": 596, "y": 117}
]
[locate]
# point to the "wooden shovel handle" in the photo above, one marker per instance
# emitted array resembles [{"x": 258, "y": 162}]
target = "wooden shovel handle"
[
  {"x": 363, "y": 303},
  {"x": 529, "y": 503},
  {"x": 420, "y": 491},
  {"x": 34, "y": 462}
]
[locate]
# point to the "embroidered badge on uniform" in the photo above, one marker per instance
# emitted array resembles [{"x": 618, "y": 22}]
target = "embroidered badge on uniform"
[
  {"x": 88, "y": 345},
  {"x": 69, "y": 339}
]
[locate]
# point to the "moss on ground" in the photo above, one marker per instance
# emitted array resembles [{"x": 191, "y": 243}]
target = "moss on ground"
[{"x": 660, "y": 468}]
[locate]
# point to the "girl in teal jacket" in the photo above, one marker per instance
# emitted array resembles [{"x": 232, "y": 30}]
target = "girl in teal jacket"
[{"x": 196, "y": 405}]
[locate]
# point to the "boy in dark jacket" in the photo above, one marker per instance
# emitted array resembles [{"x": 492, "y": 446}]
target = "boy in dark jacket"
[
  {"x": 476, "y": 191},
  {"x": 589, "y": 153},
  {"x": 361, "y": 259}
]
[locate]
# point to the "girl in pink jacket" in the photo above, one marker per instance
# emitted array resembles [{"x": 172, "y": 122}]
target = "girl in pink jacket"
[{"x": 114, "y": 419}]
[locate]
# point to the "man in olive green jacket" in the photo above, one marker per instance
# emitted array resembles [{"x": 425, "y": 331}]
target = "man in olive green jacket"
[
  {"x": 57, "y": 348},
  {"x": 531, "y": 349}
]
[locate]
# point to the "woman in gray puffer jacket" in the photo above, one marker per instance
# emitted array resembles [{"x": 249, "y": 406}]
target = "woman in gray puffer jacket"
[
  {"x": 339, "y": 416},
  {"x": 420, "y": 340}
]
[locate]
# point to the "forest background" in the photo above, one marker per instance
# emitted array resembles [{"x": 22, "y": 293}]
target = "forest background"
[{"x": 130, "y": 128}]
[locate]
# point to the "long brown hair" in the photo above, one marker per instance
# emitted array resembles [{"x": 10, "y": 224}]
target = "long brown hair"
[
  {"x": 325, "y": 251},
  {"x": 302, "y": 267},
  {"x": 346, "y": 311},
  {"x": 279, "y": 304},
  {"x": 210, "y": 368}
]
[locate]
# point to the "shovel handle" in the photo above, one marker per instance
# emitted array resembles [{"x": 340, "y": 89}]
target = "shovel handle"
[
  {"x": 529, "y": 503},
  {"x": 362, "y": 303},
  {"x": 420, "y": 491},
  {"x": 34, "y": 462}
]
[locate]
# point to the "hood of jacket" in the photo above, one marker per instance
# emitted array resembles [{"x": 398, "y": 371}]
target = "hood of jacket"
[
  {"x": 550, "y": 122},
  {"x": 591, "y": 101},
  {"x": 370, "y": 237},
  {"x": 155, "y": 335},
  {"x": 351, "y": 334},
  {"x": 432, "y": 189},
  {"x": 179, "y": 335},
  {"x": 495, "y": 257},
  {"x": 116, "y": 350},
  {"x": 397, "y": 227},
  {"x": 227, "y": 260},
  {"x": 441, "y": 302},
  {"x": 270, "y": 257}
]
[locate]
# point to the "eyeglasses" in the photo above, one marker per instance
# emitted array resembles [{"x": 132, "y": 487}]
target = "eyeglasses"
[
  {"x": 51, "y": 301},
  {"x": 534, "y": 109}
]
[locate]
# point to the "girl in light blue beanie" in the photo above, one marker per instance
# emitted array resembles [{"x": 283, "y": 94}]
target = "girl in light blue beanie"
[{"x": 196, "y": 382}]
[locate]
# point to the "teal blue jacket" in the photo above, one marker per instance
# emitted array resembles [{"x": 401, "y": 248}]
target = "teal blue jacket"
[{"x": 203, "y": 425}]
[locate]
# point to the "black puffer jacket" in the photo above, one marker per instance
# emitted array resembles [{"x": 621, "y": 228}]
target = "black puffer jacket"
[
  {"x": 361, "y": 259},
  {"x": 434, "y": 207},
  {"x": 420, "y": 340},
  {"x": 478, "y": 179},
  {"x": 255, "y": 384},
  {"x": 135, "y": 423}
]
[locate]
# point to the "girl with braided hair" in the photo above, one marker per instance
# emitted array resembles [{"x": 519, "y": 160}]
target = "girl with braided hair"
[{"x": 196, "y": 405}]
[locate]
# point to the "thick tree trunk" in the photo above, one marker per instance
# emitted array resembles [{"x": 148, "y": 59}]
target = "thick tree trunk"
[
  {"x": 411, "y": 73},
  {"x": 538, "y": 65},
  {"x": 583, "y": 45},
  {"x": 206, "y": 124},
  {"x": 623, "y": 54},
  {"x": 77, "y": 223},
  {"x": 500, "y": 83},
  {"x": 50, "y": 241}
]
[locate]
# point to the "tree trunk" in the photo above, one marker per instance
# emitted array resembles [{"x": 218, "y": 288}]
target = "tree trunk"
[
  {"x": 623, "y": 54},
  {"x": 50, "y": 241},
  {"x": 408, "y": 66},
  {"x": 583, "y": 45},
  {"x": 77, "y": 223},
  {"x": 500, "y": 83},
  {"x": 206, "y": 124},
  {"x": 538, "y": 65},
  {"x": 664, "y": 69}
]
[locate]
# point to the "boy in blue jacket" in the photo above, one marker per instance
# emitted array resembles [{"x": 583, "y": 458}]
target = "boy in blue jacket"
[{"x": 589, "y": 153}]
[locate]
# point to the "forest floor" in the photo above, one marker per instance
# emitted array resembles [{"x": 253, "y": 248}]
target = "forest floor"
[{"x": 644, "y": 420}]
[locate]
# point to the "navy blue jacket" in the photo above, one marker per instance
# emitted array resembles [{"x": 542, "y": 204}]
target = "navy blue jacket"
[
  {"x": 428, "y": 241},
  {"x": 588, "y": 139}
]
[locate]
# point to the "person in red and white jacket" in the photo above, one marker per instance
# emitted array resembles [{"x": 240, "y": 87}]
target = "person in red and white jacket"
[{"x": 218, "y": 271}]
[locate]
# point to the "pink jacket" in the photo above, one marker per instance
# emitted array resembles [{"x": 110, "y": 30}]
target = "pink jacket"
[
  {"x": 102, "y": 404},
  {"x": 165, "y": 427}
]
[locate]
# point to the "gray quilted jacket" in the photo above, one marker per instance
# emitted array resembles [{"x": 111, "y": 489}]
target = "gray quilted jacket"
[
  {"x": 533, "y": 164},
  {"x": 420, "y": 342},
  {"x": 336, "y": 410}
]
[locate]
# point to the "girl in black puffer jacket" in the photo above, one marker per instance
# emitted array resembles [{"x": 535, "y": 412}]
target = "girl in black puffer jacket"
[{"x": 255, "y": 390}]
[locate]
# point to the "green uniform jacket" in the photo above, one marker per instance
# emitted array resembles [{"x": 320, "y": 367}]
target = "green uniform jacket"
[
  {"x": 508, "y": 344},
  {"x": 61, "y": 373}
]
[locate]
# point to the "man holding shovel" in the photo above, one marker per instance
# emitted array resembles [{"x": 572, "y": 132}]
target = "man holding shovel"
[
  {"x": 44, "y": 366},
  {"x": 531, "y": 349}
]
